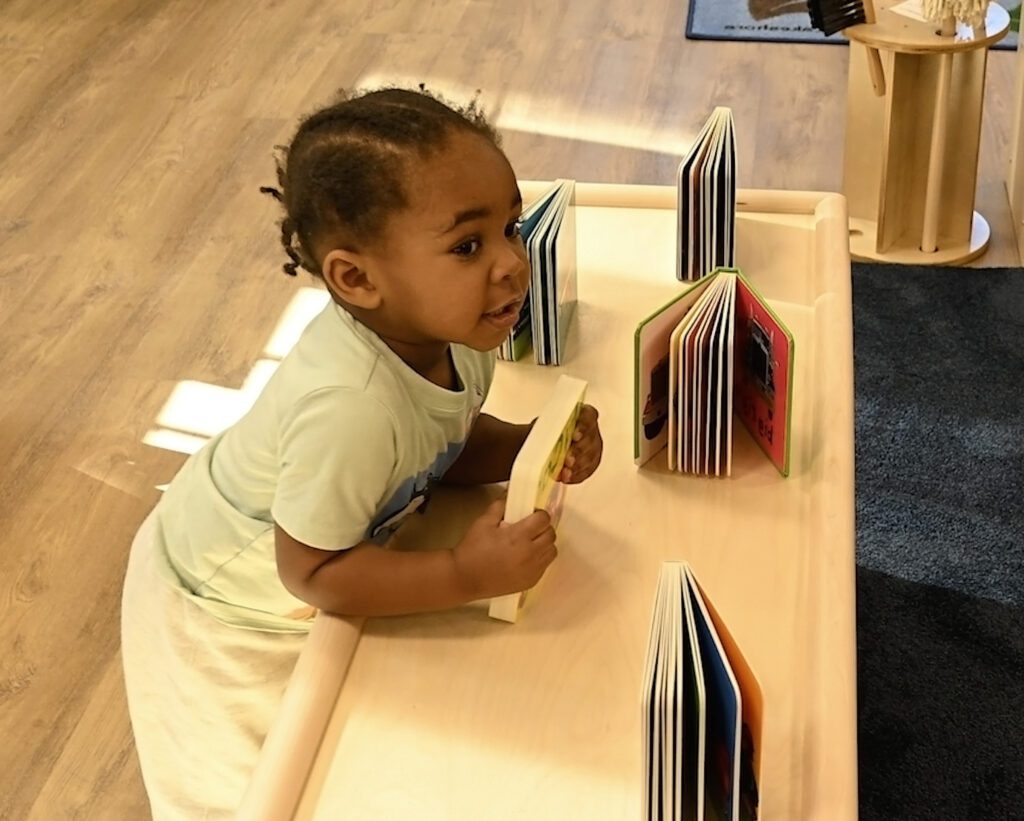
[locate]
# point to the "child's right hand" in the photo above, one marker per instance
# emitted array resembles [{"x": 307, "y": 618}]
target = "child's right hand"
[{"x": 494, "y": 559}]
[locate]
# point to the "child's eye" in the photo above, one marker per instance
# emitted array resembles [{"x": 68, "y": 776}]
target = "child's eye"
[
  {"x": 467, "y": 248},
  {"x": 514, "y": 228}
]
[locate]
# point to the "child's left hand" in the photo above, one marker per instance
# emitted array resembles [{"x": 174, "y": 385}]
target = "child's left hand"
[{"x": 585, "y": 452}]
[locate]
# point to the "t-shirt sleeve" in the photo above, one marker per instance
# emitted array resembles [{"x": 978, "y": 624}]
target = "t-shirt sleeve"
[{"x": 336, "y": 456}]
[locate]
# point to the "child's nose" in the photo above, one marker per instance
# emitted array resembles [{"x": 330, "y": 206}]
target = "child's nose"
[{"x": 512, "y": 264}]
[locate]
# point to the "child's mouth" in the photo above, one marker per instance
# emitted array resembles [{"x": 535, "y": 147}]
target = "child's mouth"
[{"x": 505, "y": 316}]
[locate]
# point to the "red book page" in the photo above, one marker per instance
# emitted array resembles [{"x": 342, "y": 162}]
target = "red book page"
[{"x": 763, "y": 371}]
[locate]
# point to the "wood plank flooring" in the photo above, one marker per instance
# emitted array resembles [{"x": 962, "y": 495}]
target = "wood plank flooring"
[{"x": 136, "y": 253}]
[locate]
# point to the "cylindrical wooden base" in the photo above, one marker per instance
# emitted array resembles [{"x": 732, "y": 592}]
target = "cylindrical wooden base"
[{"x": 862, "y": 246}]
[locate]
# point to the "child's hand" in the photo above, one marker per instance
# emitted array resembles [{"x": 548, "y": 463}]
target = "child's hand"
[
  {"x": 585, "y": 452},
  {"x": 494, "y": 559}
]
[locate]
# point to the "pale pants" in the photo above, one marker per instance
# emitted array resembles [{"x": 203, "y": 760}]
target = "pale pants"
[{"x": 201, "y": 694}]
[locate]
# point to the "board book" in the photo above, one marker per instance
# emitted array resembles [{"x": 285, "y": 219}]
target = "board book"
[
  {"x": 548, "y": 227},
  {"x": 706, "y": 191},
  {"x": 533, "y": 484},
  {"x": 714, "y": 350},
  {"x": 701, "y": 710}
]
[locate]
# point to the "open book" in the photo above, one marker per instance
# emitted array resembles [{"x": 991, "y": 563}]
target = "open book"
[
  {"x": 714, "y": 349},
  {"x": 702, "y": 709},
  {"x": 549, "y": 234},
  {"x": 533, "y": 484},
  {"x": 706, "y": 180}
]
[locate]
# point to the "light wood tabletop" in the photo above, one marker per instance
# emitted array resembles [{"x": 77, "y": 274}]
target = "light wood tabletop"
[
  {"x": 908, "y": 33},
  {"x": 455, "y": 716}
]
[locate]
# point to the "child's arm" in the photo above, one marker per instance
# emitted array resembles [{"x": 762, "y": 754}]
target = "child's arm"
[
  {"x": 366, "y": 580},
  {"x": 489, "y": 452}
]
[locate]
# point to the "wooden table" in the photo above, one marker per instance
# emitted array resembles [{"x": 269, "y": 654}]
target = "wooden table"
[{"x": 455, "y": 716}]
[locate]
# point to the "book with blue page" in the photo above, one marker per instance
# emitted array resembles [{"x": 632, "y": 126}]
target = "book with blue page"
[
  {"x": 548, "y": 228},
  {"x": 702, "y": 710}
]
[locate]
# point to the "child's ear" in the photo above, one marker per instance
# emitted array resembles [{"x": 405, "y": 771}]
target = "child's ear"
[{"x": 344, "y": 272}]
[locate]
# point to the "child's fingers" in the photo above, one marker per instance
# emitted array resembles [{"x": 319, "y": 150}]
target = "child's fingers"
[
  {"x": 588, "y": 417},
  {"x": 567, "y": 465},
  {"x": 495, "y": 510},
  {"x": 585, "y": 423},
  {"x": 534, "y": 524},
  {"x": 587, "y": 450},
  {"x": 545, "y": 538},
  {"x": 577, "y": 474},
  {"x": 582, "y": 461}
]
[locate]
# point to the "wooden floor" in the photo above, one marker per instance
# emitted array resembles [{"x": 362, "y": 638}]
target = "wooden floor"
[{"x": 136, "y": 253}]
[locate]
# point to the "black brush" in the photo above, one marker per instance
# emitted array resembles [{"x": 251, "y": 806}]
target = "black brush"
[{"x": 830, "y": 16}]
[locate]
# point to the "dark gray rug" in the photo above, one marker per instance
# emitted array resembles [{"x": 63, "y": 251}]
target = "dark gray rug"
[
  {"x": 782, "y": 21},
  {"x": 939, "y": 368}
]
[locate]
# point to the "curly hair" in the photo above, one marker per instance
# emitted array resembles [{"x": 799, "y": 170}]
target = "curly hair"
[{"x": 343, "y": 172}]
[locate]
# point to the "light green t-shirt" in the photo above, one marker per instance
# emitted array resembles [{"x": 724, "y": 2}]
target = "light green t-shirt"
[{"x": 343, "y": 443}]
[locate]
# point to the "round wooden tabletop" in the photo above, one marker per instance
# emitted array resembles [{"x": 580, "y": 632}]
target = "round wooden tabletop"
[{"x": 896, "y": 31}]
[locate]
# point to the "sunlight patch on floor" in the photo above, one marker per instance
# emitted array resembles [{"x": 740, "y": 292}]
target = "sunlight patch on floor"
[
  {"x": 197, "y": 411},
  {"x": 551, "y": 117}
]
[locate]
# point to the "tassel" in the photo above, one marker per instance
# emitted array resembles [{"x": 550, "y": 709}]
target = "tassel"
[{"x": 971, "y": 12}]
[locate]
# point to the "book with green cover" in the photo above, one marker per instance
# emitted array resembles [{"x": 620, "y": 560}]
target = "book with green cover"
[{"x": 714, "y": 350}]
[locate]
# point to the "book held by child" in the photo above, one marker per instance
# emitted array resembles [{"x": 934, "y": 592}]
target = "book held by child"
[{"x": 533, "y": 484}]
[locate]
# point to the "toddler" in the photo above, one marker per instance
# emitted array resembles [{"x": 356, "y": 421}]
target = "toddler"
[{"x": 409, "y": 212}]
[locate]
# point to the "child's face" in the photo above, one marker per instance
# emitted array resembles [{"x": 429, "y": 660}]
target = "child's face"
[{"x": 452, "y": 266}]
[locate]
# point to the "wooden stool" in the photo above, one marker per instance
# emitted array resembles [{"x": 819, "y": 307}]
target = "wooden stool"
[{"x": 911, "y": 157}]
